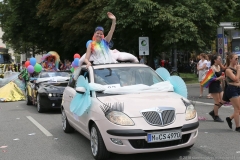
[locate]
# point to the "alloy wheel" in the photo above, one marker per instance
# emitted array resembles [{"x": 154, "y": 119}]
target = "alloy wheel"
[
  {"x": 64, "y": 120},
  {"x": 94, "y": 141},
  {"x": 38, "y": 103}
]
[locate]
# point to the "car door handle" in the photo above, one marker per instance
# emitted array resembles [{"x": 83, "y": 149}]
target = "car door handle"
[{"x": 70, "y": 96}]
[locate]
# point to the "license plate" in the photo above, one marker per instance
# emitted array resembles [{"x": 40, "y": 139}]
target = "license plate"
[{"x": 164, "y": 136}]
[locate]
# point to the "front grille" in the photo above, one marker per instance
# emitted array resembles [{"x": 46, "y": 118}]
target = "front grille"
[
  {"x": 168, "y": 116},
  {"x": 158, "y": 118},
  {"x": 142, "y": 143},
  {"x": 152, "y": 117}
]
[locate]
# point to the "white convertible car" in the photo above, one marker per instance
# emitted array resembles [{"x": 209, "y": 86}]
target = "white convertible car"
[{"x": 127, "y": 108}]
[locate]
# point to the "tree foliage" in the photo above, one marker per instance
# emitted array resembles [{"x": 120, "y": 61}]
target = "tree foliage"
[{"x": 66, "y": 26}]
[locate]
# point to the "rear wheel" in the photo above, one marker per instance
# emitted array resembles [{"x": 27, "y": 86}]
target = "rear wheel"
[
  {"x": 39, "y": 108},
  {"x": 67, "y": 128},
  {"x": 98, "y": 147}
]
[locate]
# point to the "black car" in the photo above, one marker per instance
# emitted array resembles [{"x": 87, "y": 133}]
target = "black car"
[{"x": 46, "y": 90}]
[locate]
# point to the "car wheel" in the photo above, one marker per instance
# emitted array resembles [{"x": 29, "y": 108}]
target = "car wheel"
[
  {"x": 67, "y": 128},
  {"x": 98, "y": 147},
  {"x": 39, "y": 108},
  {"x": 28, "y": 102}
]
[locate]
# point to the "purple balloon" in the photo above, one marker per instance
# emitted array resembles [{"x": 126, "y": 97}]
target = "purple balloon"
[
  {"x": 30, "y": 69},
  {"x": 73, "y": 65}
]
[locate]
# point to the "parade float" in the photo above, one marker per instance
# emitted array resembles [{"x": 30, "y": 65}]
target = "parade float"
[{"x": 13, "y": 84}]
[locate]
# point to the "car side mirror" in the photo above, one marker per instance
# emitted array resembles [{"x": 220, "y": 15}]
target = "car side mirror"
[{"x": 81, "y": 90}]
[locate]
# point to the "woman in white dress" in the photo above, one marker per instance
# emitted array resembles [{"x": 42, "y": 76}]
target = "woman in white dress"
[{"x": 202, "y": 69}]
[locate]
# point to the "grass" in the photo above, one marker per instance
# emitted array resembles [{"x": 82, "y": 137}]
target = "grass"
[{"x": 189, "y": 78}]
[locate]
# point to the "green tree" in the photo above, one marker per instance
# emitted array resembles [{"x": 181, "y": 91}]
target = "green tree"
[{"x": 185, "y": 24}]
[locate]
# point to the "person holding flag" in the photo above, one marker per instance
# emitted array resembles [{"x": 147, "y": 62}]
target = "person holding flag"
[{"x": 212, "y": 81}]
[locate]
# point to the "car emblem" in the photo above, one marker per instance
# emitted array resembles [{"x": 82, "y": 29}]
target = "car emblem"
[{"x": 159, "y": 110}]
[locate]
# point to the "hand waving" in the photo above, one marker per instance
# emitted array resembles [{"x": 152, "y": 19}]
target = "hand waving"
[{"x": 111, "y": 16}]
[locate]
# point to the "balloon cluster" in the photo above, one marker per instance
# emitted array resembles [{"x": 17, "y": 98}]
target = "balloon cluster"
[
  {"x": 32, "y": 66},
  {"x": 75, "y": 62}
]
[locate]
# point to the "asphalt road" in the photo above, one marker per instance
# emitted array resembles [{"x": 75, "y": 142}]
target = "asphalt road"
[{"x": 20, "y": 139}]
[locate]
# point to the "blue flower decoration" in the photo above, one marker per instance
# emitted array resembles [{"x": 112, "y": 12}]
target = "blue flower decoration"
[
  {"x": 81, "y": 102},
  {"x": 179, "y": 85},
  {"x": 163, "y": 72}
]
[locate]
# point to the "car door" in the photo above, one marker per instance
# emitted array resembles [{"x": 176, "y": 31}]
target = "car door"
[
  {"x": 68, "y": 94},
  {"x": 82, "y": 121}
]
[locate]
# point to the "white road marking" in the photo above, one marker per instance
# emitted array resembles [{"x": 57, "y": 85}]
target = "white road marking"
[
  {"x": 211, "y": 104},
  {"x": 46, "y": 132}
]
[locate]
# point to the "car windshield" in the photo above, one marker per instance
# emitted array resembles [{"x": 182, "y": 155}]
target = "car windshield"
[
  {"x": 125, "y": 76},
  {"x": 54, "y": 74},
  {"x": 5, "y": 59}
]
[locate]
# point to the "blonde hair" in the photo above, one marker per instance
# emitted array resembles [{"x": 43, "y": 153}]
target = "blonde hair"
[
  {"x": 229, "y": 57},
  {"x": 203, "y": 55}
]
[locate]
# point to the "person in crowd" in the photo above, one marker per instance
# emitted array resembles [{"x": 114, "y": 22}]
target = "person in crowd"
[
  {"x": 99, "y": 48},
  {"x": 215, "y": 88},
  {"x": 233, "y": 89},
  {"x": 49, "y": 64},
  {"x": 201, "y": 67},
  {"x": 24, "y": 74},
  {"x": 208, "y": 58},
  {"x": 141, "y": 59},
  {"x": 10, "y": 68},
  {"x": 68, "y": 65},
  {"x": 62, "y": 66}
]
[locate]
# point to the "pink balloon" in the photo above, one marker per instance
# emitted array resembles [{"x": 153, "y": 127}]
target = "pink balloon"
[{"x": 30, "y": 69}]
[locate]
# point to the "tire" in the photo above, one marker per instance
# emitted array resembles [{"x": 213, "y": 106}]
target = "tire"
[
  {"x": 28, "y": 102},
  {"x": 39, "y": 108},
  {"x": 98, "y": 147},
  {"x": 174, "y": 73},
  {"x": 67, "y": 128}
]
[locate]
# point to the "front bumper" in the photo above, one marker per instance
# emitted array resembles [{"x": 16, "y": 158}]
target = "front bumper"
[
  {"x": 134, "y": 140},
  {"x": 50, "y": 102}
]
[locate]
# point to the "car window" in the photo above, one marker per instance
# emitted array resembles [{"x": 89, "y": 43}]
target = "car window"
[
  {"x": 126, "y": 76},
  {"x": 85, "y": 74}
]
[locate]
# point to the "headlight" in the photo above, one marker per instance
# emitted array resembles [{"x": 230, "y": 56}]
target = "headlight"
[
  {"x": 54, "y": 94},
  {"x": 119, "y": 118},
  {"x": 50, "y": 95},
  {"x": 190, "y": 111}
]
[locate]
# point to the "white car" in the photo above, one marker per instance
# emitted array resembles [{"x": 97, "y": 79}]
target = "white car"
[{"x": 131, "y": 110}]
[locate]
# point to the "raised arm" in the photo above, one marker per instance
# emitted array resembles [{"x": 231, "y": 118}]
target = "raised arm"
[
  {"x": 87, "y": 57},
  {"x": 110, "y": 33}
]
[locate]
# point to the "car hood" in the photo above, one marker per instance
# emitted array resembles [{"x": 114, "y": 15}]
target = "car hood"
[
  {"x": 134, "y": 103},
  {"x": 51, "y": 89}
]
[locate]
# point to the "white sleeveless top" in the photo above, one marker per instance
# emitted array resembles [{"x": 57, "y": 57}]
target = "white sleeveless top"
[
  {"x": 201, "y": 63},
  {"x": 101, "y": 53}
]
